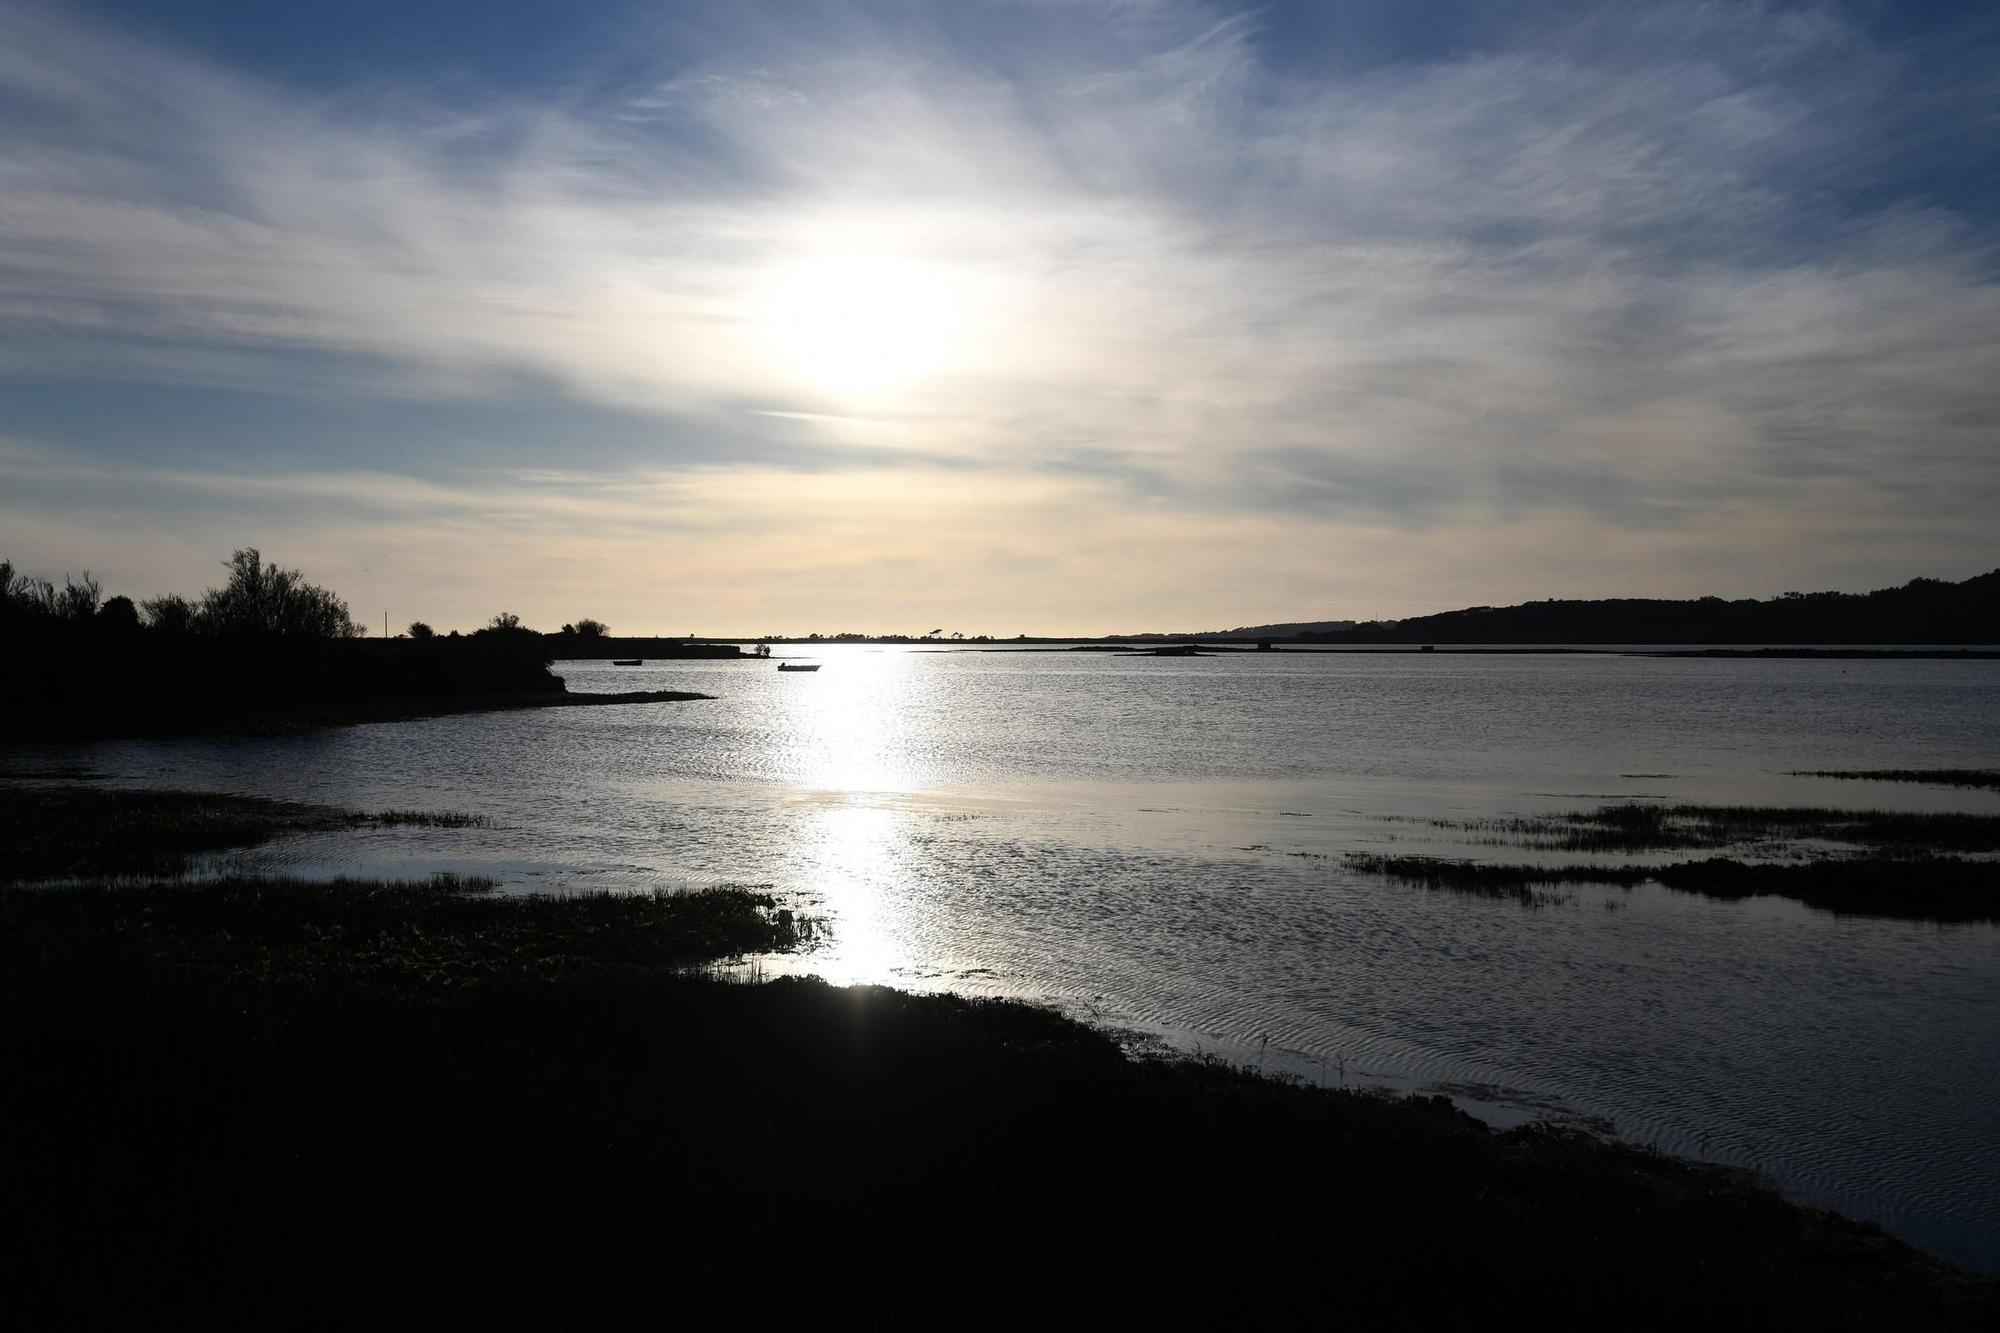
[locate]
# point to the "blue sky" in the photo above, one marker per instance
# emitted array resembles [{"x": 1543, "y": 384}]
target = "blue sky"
[{"x": 1038, "y": 316}]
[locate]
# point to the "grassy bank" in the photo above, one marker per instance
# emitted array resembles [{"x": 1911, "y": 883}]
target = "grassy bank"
[{"x": 312, "y": 1101}]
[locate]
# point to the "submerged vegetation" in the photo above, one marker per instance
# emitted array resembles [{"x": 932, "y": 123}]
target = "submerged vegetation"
[
  {"x": 1890, "y": 863},
  {"x": 1923, "y": 888},
  {"x": 65, "y": 831},
  {"x": 482, "y": 1106},
  {"x": 1645, "y": 828}
]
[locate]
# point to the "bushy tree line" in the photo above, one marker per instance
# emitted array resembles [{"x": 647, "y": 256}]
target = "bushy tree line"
[
  {"x": 265, "y": 642},
  {"x": 25, "y": 598},
  {"x": 257, "y": 601}
]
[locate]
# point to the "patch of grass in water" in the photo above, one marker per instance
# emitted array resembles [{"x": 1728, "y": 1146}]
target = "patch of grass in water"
[
  {"x": 1523, "y": 884},
  {"x": 49, "y": 832},
  {"x": 1634, "y": 827},
  {"x": 414, "y": 819},
  {"x": 428, "y": 936},
  {"x": 1921, "y": 888},
  {"x": 1942, "y": 777}
]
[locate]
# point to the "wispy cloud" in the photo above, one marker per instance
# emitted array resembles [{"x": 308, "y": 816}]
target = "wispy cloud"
[{"x": 1649, "y": 281}]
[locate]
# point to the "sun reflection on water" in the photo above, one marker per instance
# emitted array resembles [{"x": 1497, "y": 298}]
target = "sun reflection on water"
[
  {"x": 852, "y": 843},
  {"x": 853, "y": 767},
  {"x": 848, "y": 726}
]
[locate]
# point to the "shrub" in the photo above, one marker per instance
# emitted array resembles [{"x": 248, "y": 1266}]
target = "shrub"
[
  {"x": 169, "y": 614},
  {"x": 264, "y": 601}
]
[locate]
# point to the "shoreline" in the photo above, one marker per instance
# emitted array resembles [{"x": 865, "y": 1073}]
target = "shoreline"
[
  {"x": 278, "y": 720},
  {"x": 353, "y": 1077},
  {"x": 1148, "y": 644}
]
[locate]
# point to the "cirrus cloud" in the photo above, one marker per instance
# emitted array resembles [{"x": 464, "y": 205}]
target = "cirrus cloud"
[{"x": 1094, "y": 281}]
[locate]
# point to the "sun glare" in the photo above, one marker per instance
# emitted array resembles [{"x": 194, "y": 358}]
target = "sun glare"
[{"x": 859, "y": 326}]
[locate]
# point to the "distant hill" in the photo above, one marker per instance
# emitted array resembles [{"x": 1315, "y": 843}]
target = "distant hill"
[
  {"x": 1292, "y": 629},
  {"x": 1921, "y": 611},
  {"x": 1289, "y": 630}
]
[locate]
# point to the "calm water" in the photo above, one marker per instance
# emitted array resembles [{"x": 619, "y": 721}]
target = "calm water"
[{"x": 1158, "y": 843}]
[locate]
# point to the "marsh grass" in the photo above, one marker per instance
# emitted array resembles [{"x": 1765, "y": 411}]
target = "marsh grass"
[
  {"x": 1643, "y": 828},
  {"x": 1918, "y": 888},
  {"x": 1520, "y": 883},
  {"x": 346, "y": 1099},
  {"x": 424, "y": 937},
  {"x": 1942, "y": 777},
  {"x": 412, "y": 818},
  {"x": 49, "y": 832}
]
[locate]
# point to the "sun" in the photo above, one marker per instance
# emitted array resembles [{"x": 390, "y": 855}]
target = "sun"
[{"x": 860, "y": 326}]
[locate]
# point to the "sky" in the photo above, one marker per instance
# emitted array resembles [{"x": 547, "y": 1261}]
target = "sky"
[{"x": 1033, "y": 317}]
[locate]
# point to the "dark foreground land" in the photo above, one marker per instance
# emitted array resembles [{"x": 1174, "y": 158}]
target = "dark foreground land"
[{"x": 430, "y": 1102}]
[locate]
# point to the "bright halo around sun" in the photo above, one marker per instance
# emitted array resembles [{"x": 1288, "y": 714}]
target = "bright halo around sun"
[{"x": 860, "y": 326}]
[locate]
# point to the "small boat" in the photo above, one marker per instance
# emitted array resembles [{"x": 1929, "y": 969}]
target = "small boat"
[
  {"x": 628, "y": 661},
  {"x": 798, "y": 666}
]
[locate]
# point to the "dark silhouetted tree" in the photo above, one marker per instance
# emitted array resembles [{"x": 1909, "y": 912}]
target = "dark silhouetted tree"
[
  {"x": 79, "y": 598},
  {"x": 586, "y": 628},
  {"x": 505, "y": 621},
  {"x": 419, "y": 630},
  {"x": 118, "y": 614},
  {"x": 264, "y": 601},
  {"x": 24, "y": 598},
  {"x": 170, "y": 614}
]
